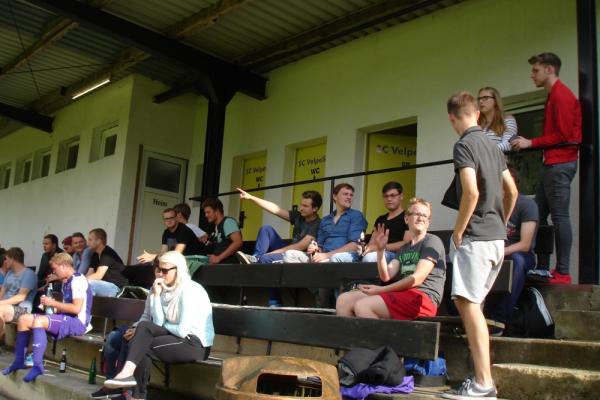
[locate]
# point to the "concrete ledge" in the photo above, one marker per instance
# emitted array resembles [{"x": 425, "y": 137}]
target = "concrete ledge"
[
  {"x": 580, "y": 325},
  {"x": 73, "y": 385},
  {"x": 520, "y": 381},
  {"x": 52, "y": 385}
]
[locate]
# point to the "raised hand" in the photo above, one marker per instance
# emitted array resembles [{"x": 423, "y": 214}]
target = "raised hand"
[
  {"x": 380, "y": 237},
  {"x": 243, "y": 194}
]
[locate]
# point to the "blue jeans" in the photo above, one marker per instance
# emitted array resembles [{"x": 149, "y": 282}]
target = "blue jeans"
[
  {"x": 267, "y": 240},
  {"x": 501, "y": 308},
  {"x": 115, "y": 351},
  {"x": 349, "y": 256},
  {"x": 104, "y": 288},
  {"x": 553, "y": 198},
  {"x": 372, "y": 256}
]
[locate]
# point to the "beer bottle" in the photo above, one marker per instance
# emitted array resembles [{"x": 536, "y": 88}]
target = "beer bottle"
[
  {"x": 92, "y": 372},
  {"x": 63, "y": 362}
]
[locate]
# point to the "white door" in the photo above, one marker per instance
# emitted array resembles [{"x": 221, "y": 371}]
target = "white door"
[{"x": 162, "y": 185}]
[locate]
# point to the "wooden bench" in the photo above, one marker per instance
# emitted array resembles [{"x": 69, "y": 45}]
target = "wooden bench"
[{"x": 417, "y": 339}]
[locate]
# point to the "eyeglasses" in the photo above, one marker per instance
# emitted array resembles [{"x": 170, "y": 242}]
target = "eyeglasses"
[
  {"x": 390, "y": 196},
  {"x": 168, "y": 218},
  {"x": 164, "y": 271},
  {"x": 412, "y": 214},
  {"x": 485, "y": 98}
]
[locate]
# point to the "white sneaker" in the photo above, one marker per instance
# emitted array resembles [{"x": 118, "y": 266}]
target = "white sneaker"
[
  {"x": 246, "y": 258},
  {"x": 469, "y": 389}
]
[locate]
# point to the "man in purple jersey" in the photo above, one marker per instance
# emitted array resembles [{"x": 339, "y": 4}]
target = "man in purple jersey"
[{"x": 71, "y": 317}]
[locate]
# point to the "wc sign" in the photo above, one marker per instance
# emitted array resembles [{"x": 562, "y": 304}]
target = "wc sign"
[
  {"x": 254, "y": 175},
  {"x": 311, "y": 166}
]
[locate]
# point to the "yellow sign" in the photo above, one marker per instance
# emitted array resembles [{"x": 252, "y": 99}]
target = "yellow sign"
[
  {"x": 388, "y": 151},
  {"x": 254, "y": 176},
  {"x": 310, "y": 164}
]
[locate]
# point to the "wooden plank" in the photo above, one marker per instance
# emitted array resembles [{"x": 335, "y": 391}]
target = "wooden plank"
[
  {"x": 236, "y": 275},
  {"x": 326, "y": 275},
  {"x": 408, "y": 338},
  {"x": 117, "y": 308}
]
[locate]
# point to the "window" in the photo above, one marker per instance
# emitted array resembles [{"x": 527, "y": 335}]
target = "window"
[
  {"x": 26, "y": 171},
  {"x": 68, "y": 153},
  {"x": 45, "y": 167},
  {"x": 5, "y": 176},
  {"x": 163, "y": 175},
  {"x": 41, "y": 163},
  {"x": 23, "y": 169},
  {"x": 527, "y": 165},
  {"x": 72, "y": 152},
  {"x": 104, "y": 141},
  {"x": 110, "y": 145}
]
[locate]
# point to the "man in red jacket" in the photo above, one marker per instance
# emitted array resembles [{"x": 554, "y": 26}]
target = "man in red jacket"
[{"x": 562, "y": 125}]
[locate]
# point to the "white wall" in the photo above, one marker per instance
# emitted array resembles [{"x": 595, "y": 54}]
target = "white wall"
[{"x": 79, "y": 199}]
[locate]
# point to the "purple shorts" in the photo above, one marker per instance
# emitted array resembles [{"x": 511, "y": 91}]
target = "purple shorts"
[{"x": 61, "y": 325}]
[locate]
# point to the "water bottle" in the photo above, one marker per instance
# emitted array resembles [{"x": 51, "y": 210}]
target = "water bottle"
[{"x": 49, "y": 310}]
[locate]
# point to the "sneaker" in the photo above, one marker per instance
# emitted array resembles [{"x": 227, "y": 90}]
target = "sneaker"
[
  {"x": 496, "y": 331},
  {"x": 29, "y": 360},
  {"x": 246, "y": 258},
  {"x": 274, "y": 304},
  {"x": 469, "y": 389},
  {"x": 539, "y": 276},
  {"x": 106, "y": 393},
  {"x": 559, "y": 279},
  {"x": 116, "y": 383}
]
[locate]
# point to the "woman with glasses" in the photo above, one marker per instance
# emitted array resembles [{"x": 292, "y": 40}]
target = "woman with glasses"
[
  {"x": 500, "y": 128},
  {"x": 181, "y": 329}
]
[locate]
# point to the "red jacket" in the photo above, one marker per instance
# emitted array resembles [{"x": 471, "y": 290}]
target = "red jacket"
[{"x": 562, "y": 123}]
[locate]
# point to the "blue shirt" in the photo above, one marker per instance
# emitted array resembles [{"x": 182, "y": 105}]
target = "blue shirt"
[
  {"x": 82, "y": 262},
  {"x": 13, "y": 283},
  {"x": 332, "y": 235}
]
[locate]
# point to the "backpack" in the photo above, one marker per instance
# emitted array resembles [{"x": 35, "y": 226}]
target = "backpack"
[
  {"x": 427, "y": 372},
  {"x": 531, "y": 317},
  {"x": 373, "y": 367}
]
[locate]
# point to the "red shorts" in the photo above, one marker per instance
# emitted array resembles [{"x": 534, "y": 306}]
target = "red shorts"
[{"x": 409, "y": 304}]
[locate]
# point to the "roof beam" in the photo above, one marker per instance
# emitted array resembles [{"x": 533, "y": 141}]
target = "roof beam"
[
  {"x": 31, "y": 118},
  {"x": 157, "y": 44},
  {"x": 61, "y": 97},
  {"x": 203, "y": 18},
  {"x": 57, "y": 29},
  {"x": 362, "y": 19}
]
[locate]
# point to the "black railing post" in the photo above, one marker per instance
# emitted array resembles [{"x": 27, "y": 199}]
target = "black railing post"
[
  {"x": 589, "y": 172},
  {"x": 331, "y": 205}
]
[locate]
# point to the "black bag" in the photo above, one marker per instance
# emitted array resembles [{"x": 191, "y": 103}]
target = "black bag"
[
  {"x": 451, "y": 197},
  {"x": 531, "y": 317},
  {"x": 374, "y": 367}
]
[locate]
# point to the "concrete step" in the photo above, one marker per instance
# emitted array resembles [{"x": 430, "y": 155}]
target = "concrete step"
[
  {"x": 571, "y": 297},
  {"x": 72, "y": 385},
  {"x": 551, "y": 352},
  {"x": 578, "y": 325},
  {"x": 522, "y": 381}
]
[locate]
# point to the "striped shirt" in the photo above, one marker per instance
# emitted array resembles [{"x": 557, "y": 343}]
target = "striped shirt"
[{"x": 510, "y": 131}]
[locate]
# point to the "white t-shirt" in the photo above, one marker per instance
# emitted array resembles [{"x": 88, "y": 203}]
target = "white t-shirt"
[{"x": 197, "y": 231}]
